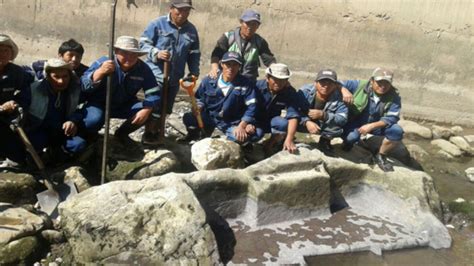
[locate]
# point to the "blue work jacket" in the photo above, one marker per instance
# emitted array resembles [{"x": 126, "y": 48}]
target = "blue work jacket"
[
  {"x": 226, "y": 111},
  {"x": 269, "y": 105},
  {"x": 182, "y": 43},
  {"x": 14, "y": 78},
  {"x": 336, "y": 112},
  {"x": 374, "y": 111},
  {"x": 125, "y": 85}
]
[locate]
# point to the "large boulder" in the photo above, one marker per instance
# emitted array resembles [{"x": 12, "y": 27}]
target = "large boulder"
[
  {"x": 447, "y": 147},
  {"x": 17, "y": 188},
  {"x": 215, "y": 153},
  {"x": 462, "y": 144},
  {"x": 152, "y": 221},
  {"x": 18, "y": 230},
  {"x": 414, "y": 130},
  {"x": 440, "y": 132}
]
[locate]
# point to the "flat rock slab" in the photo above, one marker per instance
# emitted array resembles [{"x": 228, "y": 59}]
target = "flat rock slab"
[{"x": 387, "y": 223}]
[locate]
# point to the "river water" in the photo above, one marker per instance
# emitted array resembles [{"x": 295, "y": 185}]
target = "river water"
[{"x": 451, "y": 183}]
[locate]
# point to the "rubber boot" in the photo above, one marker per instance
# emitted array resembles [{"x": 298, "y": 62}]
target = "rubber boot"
[
  {"x": 151, "y": 136},
  {"x": 126, "y": 128}
]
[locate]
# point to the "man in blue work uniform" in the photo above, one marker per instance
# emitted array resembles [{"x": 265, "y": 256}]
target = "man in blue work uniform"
[
  {"x": 174, "y": 39},
  {"x": 71, "y": 52},
  {"x": 376, "y": 110},
  {"x": 130, "y": 74},
  {"x": 245, "y": 41},
  {"x": 324, "y": 111},
  {"x": 228, "y": 103},
  {"x": 52, "y": 115},
  {"x": 12, "y": 80},
  {"x": 275, "y": 95}
]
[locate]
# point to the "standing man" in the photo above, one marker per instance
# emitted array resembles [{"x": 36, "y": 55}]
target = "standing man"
[
  {"x": 71, "y": 52},
  {"x": 245, "y": 41},
  {"x": 274, "y": 95},
  {"x": 174, "y": 39},
  {"x": 130, "y": 75},
  {"x": 12, "y": 79},
  {"x": 376, "y": 110},
  {"x": 324, "y": 110},
  {"x": 228, "y": 103}
]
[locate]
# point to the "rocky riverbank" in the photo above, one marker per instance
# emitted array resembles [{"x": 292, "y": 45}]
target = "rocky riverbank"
[{"x": 157, "y": 207}]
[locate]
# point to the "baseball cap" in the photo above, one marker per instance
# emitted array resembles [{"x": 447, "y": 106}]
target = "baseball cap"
[
  {"x": 327, "y": 74},
  {"x": 250, "y": 15},
  {"x": 382, "y": 74},
  {"x": 231, "y": 56},
  {"x": 181, "y": 3}
]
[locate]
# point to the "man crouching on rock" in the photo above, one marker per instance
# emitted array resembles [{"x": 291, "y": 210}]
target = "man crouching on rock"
[
  {"x": 275, "y": 95},
  {"x": 52, "y": 116},
  {"x": 324, "y": 111},
  {"x": 130, "y": 74},
  {"x": 227, "y": 103},
  {"x": 375, "y": 110}
]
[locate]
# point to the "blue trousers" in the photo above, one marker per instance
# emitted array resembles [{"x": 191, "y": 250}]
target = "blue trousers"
[
  {"x": 351, "y": 134},
  {"x": 191, "y": 124},
  {"x": 327, "y": 131},
  {"x": 94, "y": 114},
  {"x": 276, "y": 125},
  {"x": 11, "y": 146},
  {"x": 42, "y": 138}
]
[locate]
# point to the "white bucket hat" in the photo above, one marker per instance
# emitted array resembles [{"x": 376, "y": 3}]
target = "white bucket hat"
[
  {"x": 56, "y": 63},
  {"x": 6, "y": 40},
  {"x": 279, "y": 71},
  {"x": 129, "y": 44}
]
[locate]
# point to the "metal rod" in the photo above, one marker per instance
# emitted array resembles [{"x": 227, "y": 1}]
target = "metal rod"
[{"x": 107, "y": 97}]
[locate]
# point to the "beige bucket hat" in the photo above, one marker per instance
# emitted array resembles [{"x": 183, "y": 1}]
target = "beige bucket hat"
[
  {"x": 129, "y": 44},
  {"x": 6, "y": 40}
]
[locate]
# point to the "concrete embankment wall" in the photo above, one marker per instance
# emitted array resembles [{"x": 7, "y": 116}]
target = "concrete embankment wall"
[{"x": 429, "y": 43}]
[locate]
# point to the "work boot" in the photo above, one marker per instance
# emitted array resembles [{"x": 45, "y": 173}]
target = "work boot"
[
  {"x": 347, "y": 146},
  {"x": 383, "y": 163},
  {"x": 193, "y": 134},
  {"x": 151, "y": 136},
  {"x": 325, "y": 145},
  {"x": 124, "y": 130}
]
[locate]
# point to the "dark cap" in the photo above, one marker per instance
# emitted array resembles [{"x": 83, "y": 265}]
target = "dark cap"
[
  {"x": 382, "y": 74},
  {"x": 250, "y": 15},
  {"x": 181, "y": 3},
  {"x": 327, "y": 74},
  {"x": 231, "y": 56}
]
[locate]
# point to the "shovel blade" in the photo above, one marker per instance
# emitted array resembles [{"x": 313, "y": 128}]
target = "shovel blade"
[{"x": 48, "y": 201}]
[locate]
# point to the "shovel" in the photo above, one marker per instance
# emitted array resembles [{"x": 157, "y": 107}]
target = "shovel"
[
  {"x": 49, "y": 199},
  {"x": 190, "y": 91}
]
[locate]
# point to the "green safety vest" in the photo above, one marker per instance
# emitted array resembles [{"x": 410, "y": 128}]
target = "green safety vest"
[{"x": 361, "y": 99}]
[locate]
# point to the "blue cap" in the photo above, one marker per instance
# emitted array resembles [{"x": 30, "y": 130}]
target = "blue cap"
[
  {"x": 231, "y": 56},
  {"x": 250, "y": 15}
]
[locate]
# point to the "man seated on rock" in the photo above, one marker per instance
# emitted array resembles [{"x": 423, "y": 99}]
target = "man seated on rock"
[
  {"x": 13, "y": 79},
  {"x": 51, "y": 113},
  {"x": 275, "y": 95},
  {"x": 247, "y": 43},
  {"x": 324, "y": 111},
  {"x": 376, "y": 110},
  {"x": 228, "y": 103},
  {"x": 71, "y": 52},
  {"x": 130, "y": 74}
]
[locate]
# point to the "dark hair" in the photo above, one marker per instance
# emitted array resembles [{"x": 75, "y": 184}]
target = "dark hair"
[{"x": 71, "y": 45}]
